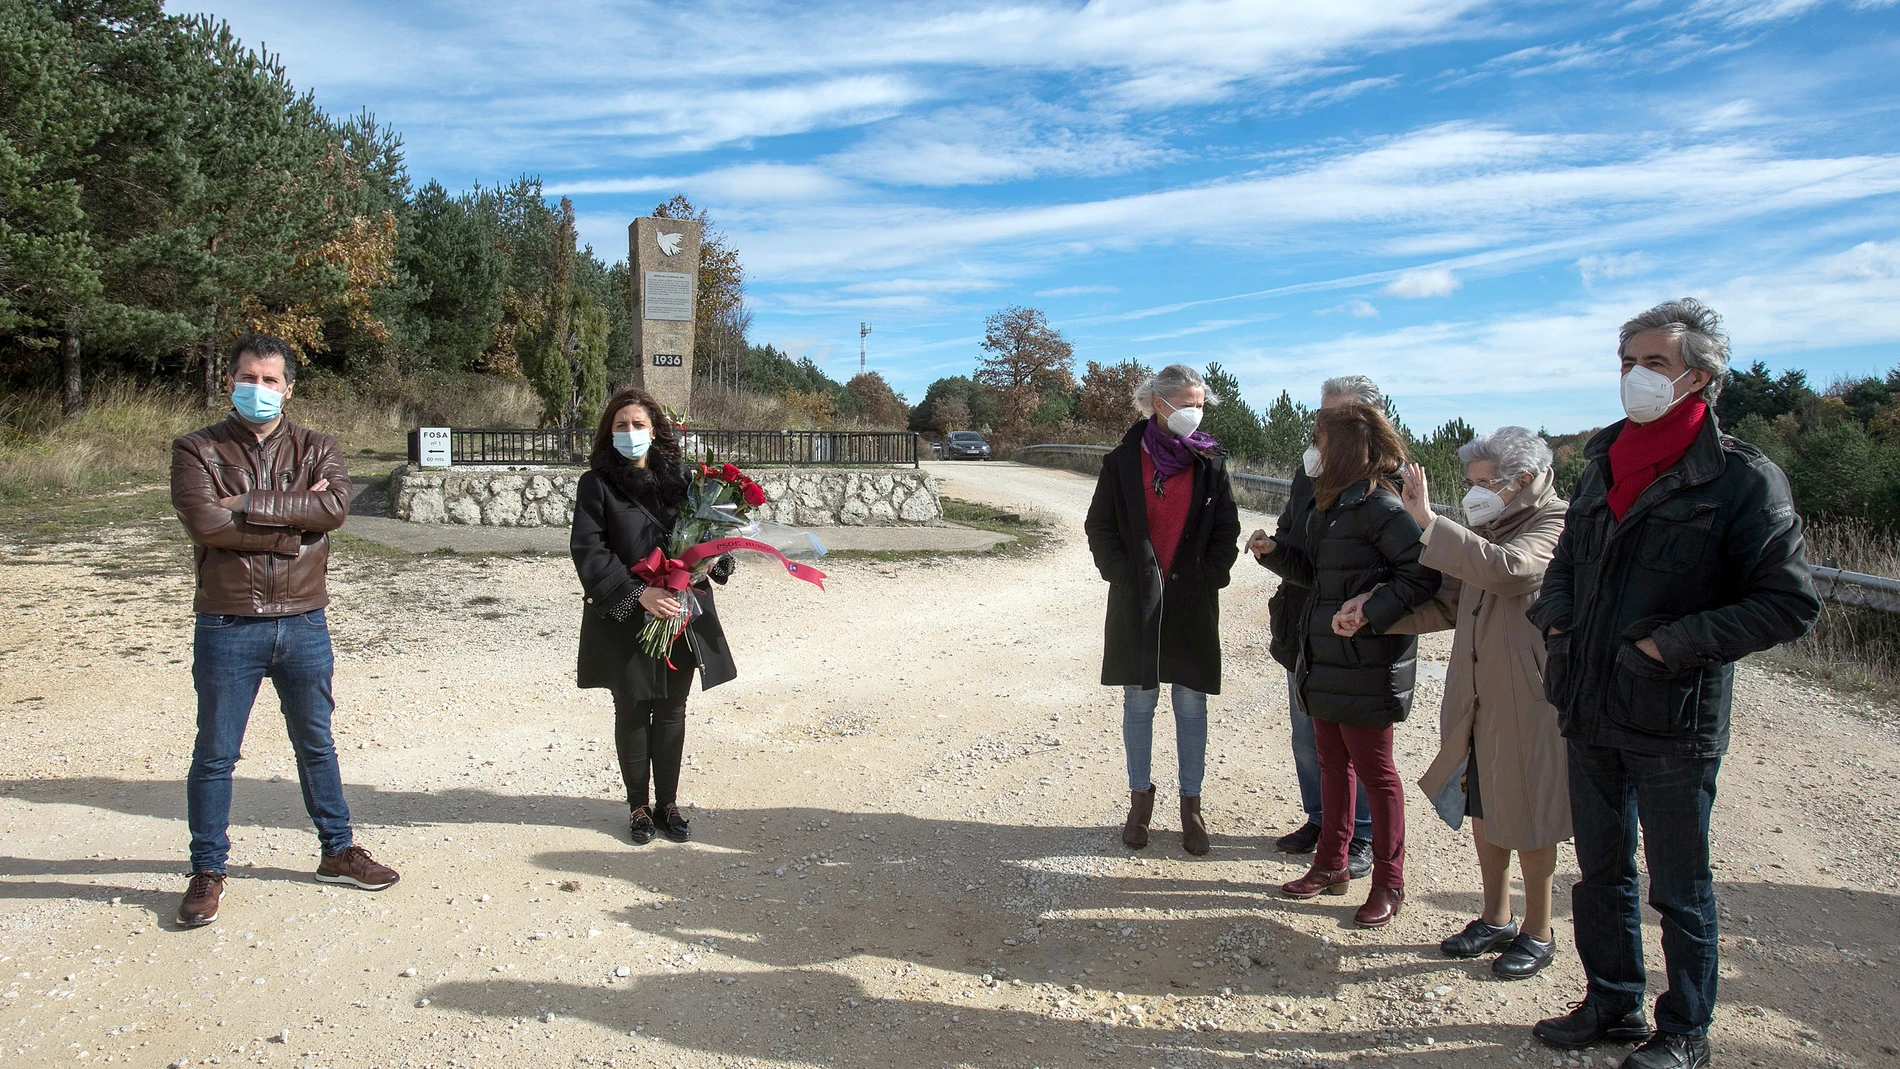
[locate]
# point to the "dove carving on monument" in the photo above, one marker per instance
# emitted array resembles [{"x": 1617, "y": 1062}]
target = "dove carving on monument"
[{"x": 669, "y": 243}]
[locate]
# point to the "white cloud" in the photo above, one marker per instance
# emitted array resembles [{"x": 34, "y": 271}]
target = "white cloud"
[
  {"x": 1600, "y": 266},
  {"x": 1077, "y": 291},
  {"x": 1461, "y": 188},
  {"x": 1424, "y": 282},
  {"x": 1358, "y": 309},
  {"x": 990, "y": 144},
  {"x": 1869, "y": 259}
]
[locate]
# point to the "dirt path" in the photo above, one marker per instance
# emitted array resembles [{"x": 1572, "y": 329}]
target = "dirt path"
[{"x": 905, "y": 845}]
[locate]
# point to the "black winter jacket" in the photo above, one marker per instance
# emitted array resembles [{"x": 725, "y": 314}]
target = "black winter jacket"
[
  {"x": 610, "y": 535},
  {"x": 1283, "y": 608},
  {"x": 1707, "y": 563},
  {"x": 1365, "y": 541},
  {"x": 1162, "y": 629}
]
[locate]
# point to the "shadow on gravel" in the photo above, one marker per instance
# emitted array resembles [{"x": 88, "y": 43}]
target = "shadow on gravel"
[
  {"x": 21, "y": 879},
  {"x": 784, "y": 897}
]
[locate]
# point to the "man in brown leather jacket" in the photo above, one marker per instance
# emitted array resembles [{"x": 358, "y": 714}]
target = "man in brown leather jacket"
[{"x": 259, "y": 496}]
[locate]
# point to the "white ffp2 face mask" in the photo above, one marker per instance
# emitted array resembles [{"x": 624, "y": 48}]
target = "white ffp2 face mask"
[
  {"x": 1184, "y": 421},
  {"x": 1309, "y": 462},
  {"x": 1647, "y": 395},
  {"x": 1482, "y": 505}
]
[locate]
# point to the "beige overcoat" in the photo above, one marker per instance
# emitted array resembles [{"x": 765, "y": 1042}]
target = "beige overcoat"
[{"x": 1494, "y": 686}]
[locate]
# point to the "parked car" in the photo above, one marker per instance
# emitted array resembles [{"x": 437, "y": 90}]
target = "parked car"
[{"x": 965, "y": 445}]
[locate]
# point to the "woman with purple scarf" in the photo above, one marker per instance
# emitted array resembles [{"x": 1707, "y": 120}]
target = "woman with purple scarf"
[{"x": 1165, "y": 533}]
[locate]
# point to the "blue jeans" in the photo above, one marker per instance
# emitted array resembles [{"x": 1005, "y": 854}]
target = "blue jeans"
[
  {"x": 231, "y": 655},
  {"x": 1190, "y": 735},
  {"x": 1612, "y": 791},
  {"x": 1306, "y": 768}
]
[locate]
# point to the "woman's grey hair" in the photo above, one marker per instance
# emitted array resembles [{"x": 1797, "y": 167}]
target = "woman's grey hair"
[
  {"x": 1514, "y": 450},
  {"x": 1357, "y": 387},
  {"x": 1168, "y": 383},
  {"x": 1699, "y": 328}
]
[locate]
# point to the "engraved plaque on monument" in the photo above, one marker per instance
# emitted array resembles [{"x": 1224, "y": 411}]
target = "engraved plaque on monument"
[
  {"x": 665, "y": 261},
  {"x": 669, "y": 296}
]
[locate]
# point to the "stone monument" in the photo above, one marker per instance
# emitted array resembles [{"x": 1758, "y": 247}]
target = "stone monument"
[{"x": 664, "y": 254}]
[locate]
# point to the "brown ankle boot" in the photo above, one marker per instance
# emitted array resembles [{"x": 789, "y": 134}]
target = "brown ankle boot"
[
  {"x": 1193, "y": 827},
  {"x": 1141, "y": 810}
]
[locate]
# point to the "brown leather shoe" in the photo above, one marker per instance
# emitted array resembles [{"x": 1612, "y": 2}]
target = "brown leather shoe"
[
  {"x": 1141, "y": 810},
  {"x": 1318, "y": 881},
  {"x": 355, "y": 867},
  {"x": 202, "y": 896},
  {"x": 1381, "y": 906},
  {"x": 1193, "y": 826}
]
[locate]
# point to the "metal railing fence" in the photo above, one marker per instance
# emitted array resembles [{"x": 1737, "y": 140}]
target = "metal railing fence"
[
  {"x": 502, "y": 446},
  {"x": 1833, "y": 584},
  {"x": 806, "y": 448}
]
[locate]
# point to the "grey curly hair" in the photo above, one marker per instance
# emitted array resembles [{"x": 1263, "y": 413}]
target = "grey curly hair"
[
  {"x": 1168, "y": 383},
  {"x": 1699, "y": 327},
  {"x": 1515, "y": 451}
]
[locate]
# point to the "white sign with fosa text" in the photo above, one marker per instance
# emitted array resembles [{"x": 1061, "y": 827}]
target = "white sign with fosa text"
[{"x": 434, "y": 446}]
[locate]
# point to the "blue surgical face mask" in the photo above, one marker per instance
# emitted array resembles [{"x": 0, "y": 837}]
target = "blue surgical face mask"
[
  {"x": 633, "y": 444},
  {"x": 256, "y": 403}
]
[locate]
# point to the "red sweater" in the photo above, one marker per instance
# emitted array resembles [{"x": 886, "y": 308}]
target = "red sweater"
[{"x": 1167, "y": 514}]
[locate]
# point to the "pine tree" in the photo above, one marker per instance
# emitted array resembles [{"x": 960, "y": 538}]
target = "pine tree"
[
  {"x": 1287, "y": 432},
  {"x": 1232, "y": 421}
]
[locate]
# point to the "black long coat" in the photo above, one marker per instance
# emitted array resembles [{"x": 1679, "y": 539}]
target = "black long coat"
[
  {"x": 610, "y": 535},
  {"x": 1162, "y": 629},
  {"x": 1365, "y": 540},
  {"x": 1708, "y": 563}
]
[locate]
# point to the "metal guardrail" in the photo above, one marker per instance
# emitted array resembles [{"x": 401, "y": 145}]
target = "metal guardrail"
[
  {"x": 558, "y": 446},
  {"x": 1875, "y": 592},
  {"x": 1856, "y": 588}
]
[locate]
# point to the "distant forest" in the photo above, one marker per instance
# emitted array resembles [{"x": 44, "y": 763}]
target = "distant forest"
[{"x": 164, "y": 188}]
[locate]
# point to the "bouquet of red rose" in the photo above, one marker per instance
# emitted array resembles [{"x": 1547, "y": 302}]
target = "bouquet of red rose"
[{"x": 713, "y": 521}]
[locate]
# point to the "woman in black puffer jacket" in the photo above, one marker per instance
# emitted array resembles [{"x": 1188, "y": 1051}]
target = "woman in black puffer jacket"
[{"x": 1361, "y": 574}]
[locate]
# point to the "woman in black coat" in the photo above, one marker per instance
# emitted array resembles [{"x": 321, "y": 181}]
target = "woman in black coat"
[
  {"x": 625, "y": 508},
  {"x": 1359, "y": 568},
  {"x": 1164, "y": 533}
]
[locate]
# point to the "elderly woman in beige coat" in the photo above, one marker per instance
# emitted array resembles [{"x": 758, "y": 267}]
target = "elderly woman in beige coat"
[{"x": 1501, "y": 759}]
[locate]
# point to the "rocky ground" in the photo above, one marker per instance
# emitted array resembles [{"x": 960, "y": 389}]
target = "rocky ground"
[{"x": 905, "y": 846}]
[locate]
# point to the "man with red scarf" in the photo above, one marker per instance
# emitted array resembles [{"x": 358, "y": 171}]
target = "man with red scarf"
[{"x": 1681, "y": 554}]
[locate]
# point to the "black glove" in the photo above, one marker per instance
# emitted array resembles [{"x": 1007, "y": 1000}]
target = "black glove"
[{"x": 723, "y": 568}]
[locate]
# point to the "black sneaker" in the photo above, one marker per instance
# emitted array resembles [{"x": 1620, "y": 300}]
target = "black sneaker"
[
  {"x": 1299, "y": 842},
  {"x": 674, "y": 823},
  {"x": 1479, "y": 939},
  {"x": 1359, "y": 858},
  {"x": 1667, "y": 1050},
  {"x": 1587, "y": 1025},
  {"x": 1526, "y": 957},
  {"x": 640, "y": 826}
]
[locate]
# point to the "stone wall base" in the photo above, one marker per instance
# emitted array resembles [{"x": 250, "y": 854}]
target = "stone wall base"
[{"x": 804, "y": 497}]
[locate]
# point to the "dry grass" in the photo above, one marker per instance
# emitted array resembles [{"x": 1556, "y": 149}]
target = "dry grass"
[
  {"x": 125, "y": 433},
  {"x": 1850, "y": 646},
  {"x": 719, "y": 407}
]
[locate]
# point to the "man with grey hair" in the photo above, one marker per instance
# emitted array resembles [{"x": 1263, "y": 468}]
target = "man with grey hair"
[
  {"x": 1284, "y": 621},
  {"x": 1681, "y": 554}
]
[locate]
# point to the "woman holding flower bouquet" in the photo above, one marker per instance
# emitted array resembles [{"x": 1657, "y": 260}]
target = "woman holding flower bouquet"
[{"x": 629, "y": 506}]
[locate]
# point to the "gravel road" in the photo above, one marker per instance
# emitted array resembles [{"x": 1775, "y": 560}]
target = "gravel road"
[{"x": 906, "y": 848}]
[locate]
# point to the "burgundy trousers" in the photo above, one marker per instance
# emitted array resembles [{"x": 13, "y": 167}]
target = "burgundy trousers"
[{"x": 1346, "y": 753}]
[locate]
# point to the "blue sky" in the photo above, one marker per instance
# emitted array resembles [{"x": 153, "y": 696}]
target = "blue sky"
[{"x": 1462, "y": 199}]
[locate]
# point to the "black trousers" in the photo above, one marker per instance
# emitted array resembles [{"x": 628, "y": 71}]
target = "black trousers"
[{"x": 651, "y": 739}]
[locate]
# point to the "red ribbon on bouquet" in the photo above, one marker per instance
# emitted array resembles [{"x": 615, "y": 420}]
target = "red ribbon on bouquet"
[
  {"x": 664, "y": 572},
  {"x": 727, "y": 545}
]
